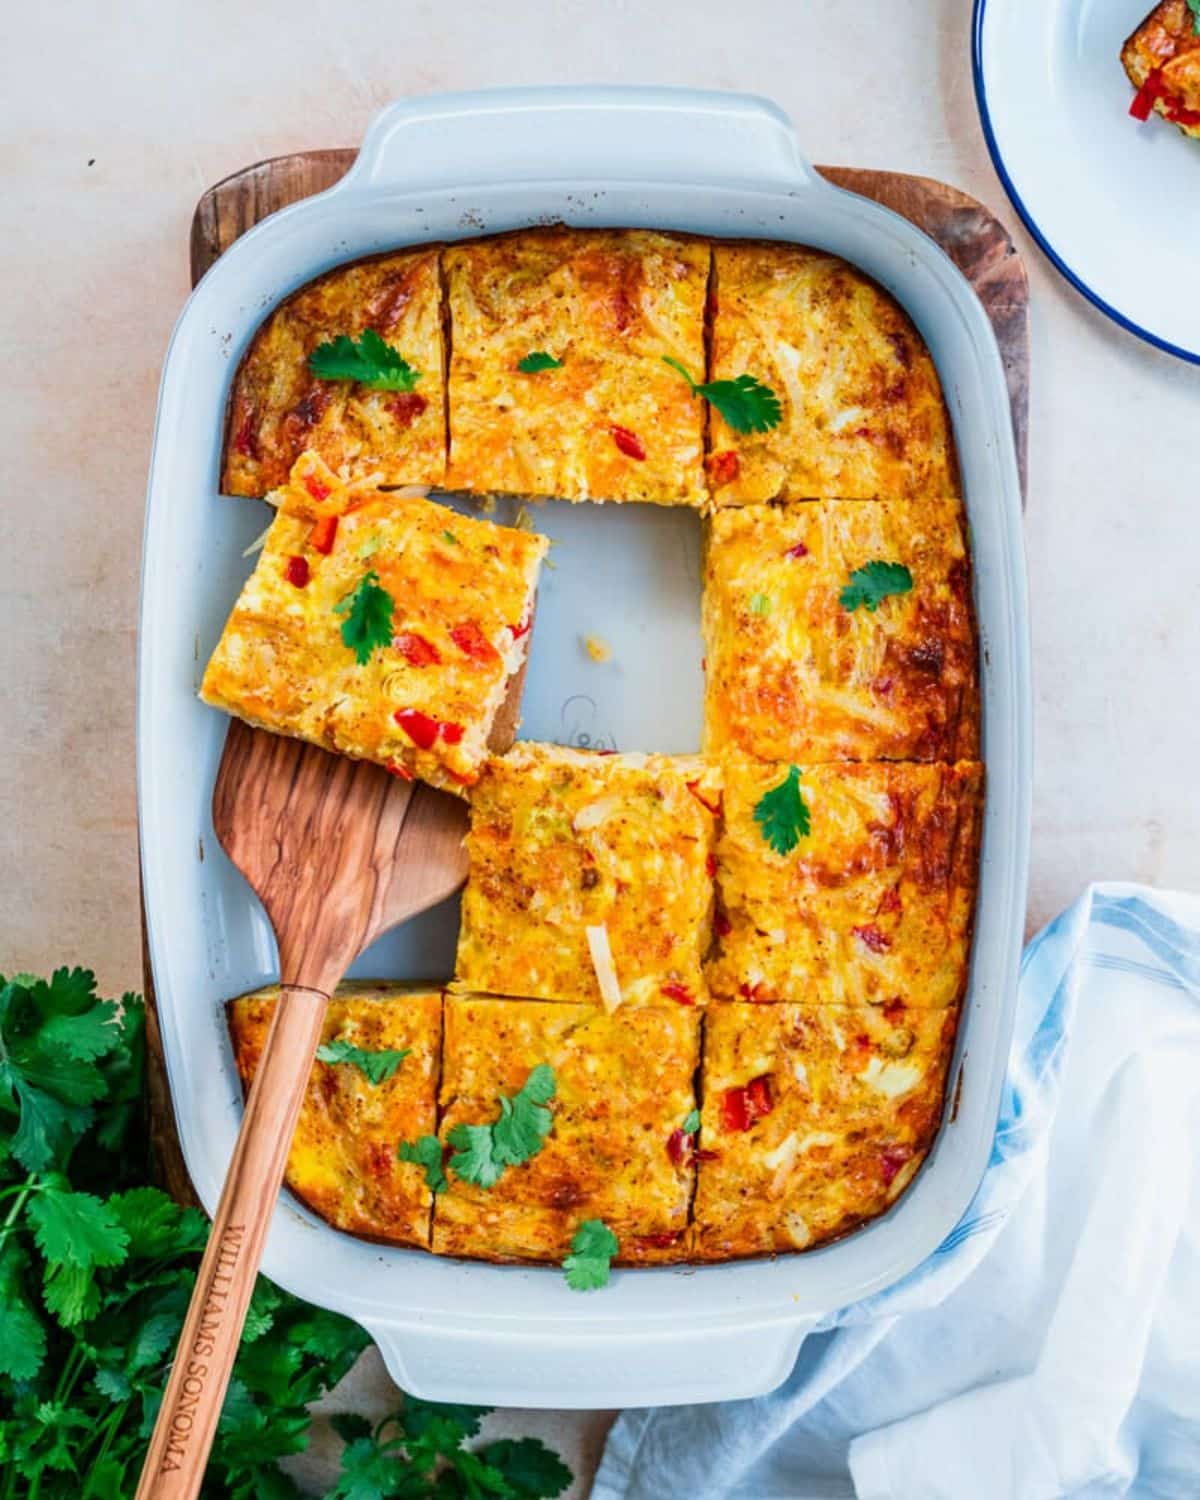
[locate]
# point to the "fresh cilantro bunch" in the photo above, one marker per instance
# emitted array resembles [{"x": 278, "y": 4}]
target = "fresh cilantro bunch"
[
  {"x": 370, "y": 360},
  {"x": 418, "y": 1451},
  {"x": 96, "y": 1270}
]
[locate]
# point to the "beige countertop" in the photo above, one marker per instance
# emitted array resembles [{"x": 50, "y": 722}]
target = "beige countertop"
[{"x": 114, "y": 120}]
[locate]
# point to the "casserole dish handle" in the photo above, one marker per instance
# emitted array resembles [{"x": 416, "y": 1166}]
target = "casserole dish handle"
[
  {"x": 592, "y": 1368},
  {"x": 672, "y": 136}
]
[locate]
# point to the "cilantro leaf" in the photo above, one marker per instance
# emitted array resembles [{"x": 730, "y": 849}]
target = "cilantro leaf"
[
  {"x": 369, "y": 1472},
  {"x": 420, "y": 1416},
  {"x": 760, "y": 604},
  {"x": 782, "y": 814},
  {"x": 592, "y": 1249},
  {"x": 1194, "y": 7},
  {"x": 872, "y": 584},
  {"x": 84, "y": 1037},
  {"x": 540, "y": 360},
  {"x": 368, "y": 623},
  {"x": 155, "y": 1225},
  {"x": 427, "y": 1153},
  {"x": 691, "y": 1123},
  {"x": 746, "y": 403},
  {"x": 371, "y": 361},
  {"x": 474, "y": 1158},
  {"x": 482, "y": 1152},
  {"x": 76, "y": 1229},
  {"x": 376, "y": 1065},
  {"x": 531, "y": 1470},
  {"x": 22, "y": 1337}
]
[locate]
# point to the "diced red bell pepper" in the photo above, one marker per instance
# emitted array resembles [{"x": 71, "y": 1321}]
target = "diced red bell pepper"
[
  {"x": 694, "y": 788},
  {"x": 322, "y": 535},
  {"x": 471, "y": 641},
  {"x": 318, "y": 491},
  {"x": 891, "y": 1160},
  {"x": 245, "y": 441},
  {"x": 296, "y": 571},
  {"x": 679, "y": 1147},
  {"x": 871, "y": 937},
  {"x": 1146, "y": 97},
  {"x": 741, "y": 1107},
  {"x": 420, "y": 728},
  {"x": 628, "y": 442},
  {"x": 451, "y": 733},
  {"x": 394, "y": 768},
  {"x": 522, "y": 629},
  {"x": 724, "y": 467},
  {"x": 674, "y": 990},
  {"x": 416, "y": 650},
  {"x": 797, "y": 551}
]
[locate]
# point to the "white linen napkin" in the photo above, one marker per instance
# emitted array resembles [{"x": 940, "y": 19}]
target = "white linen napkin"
[{"x": 1051, "y": 1345}]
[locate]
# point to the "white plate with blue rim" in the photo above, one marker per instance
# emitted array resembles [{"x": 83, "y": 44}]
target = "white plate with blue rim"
[{"x": 1114, "y": 203}]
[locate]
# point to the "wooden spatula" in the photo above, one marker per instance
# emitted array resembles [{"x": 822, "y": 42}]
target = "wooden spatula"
[{"x": 338, "y": 852}]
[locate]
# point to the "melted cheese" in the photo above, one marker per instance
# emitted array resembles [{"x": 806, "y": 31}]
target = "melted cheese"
[
  {"x": 863, "y": 415},
  {"x": 831, "y": 1151},
  {"x": 810, "y": 680},
  {"x": 613, "y": 422},
  {"x": 278, "y": 408},
  {"x": 586, "y": 870},
  {"x": 623, "y": 1083},
  {"x": 876, "y": 900},
  {"x": 342, "y": 1160}
]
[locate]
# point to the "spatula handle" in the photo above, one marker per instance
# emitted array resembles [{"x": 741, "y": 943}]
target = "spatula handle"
[{"x": 187, "y": 1420}]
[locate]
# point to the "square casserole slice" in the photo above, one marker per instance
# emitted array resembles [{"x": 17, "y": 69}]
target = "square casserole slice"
[
  {"x": 342, "y": 1161},
  {"x": 817, "y": 1119},
  {"x": 1165, "y": 48},
  {"x": 460, "y": 592},
  {"x": 794, "y": 674},
  {"x": 588, "y": 877},
  {"x": 278, "y": 407},
  {"x": 873, "y": 905},
  {"x": 863, "y": 415},
  {"x": 611, "y": 421},
  {"x": 623, "y": 1088}
]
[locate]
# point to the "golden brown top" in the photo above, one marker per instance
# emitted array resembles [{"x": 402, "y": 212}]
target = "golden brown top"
[{"x": 278, "y": 408}]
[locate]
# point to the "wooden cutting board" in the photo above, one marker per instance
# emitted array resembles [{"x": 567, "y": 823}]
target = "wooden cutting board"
[{"x": 969, "y": 233}]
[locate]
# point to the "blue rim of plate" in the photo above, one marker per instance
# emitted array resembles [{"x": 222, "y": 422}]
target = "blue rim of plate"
[{"x": 1192, "y": 356}]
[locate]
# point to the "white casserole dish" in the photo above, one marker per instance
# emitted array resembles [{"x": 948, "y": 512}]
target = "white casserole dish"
[{"x": 445, "y": 168}]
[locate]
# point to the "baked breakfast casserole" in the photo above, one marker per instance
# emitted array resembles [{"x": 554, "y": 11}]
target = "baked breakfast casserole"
[{"x": 704, "y": 1005}]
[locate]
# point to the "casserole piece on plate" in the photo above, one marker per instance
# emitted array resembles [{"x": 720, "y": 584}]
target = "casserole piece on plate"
[
  {"x": 846, "y": 883},
  {"x": 623, "y": 1088},
  {"x": 278, "y": 407},
  {"x": 594, "y": 414},
  {"x": 841, "y": 630},
  {"x": 863, "y": 415},
  {"x": 589, "y": 877},
  {"x": 1162, "y": 58},
  {"x": 819, "y": 1117},
  {"x": 343, "y": 1161},
  {"x": 382, "y": 627}
]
